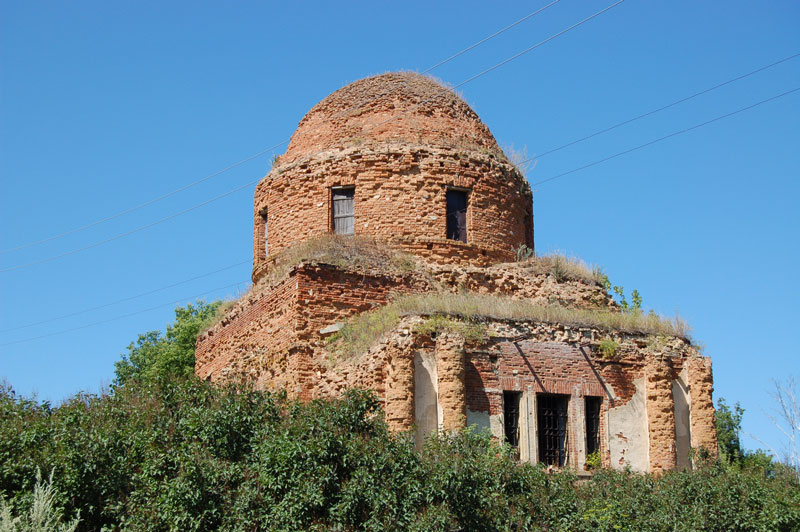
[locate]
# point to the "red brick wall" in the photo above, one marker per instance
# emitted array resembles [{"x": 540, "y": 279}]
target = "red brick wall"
[
  {"x": 273, "y": 318},
  {"x": 542, "y": 367},
  {"x": 400, "y": 198},
  {"x": 259, "y": 323},
  {"x": 392, "y": 107}
]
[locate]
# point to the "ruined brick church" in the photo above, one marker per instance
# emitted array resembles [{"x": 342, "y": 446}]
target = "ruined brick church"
[{"x": 391, "y": 251}]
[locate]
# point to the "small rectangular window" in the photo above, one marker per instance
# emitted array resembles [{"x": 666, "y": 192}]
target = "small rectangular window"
[
  {"x": 528, "y": 221},
  {"x": 511, "y": 417},
  {"x": 593, "y": 424},
  {"x": 457, "y": 215},
  {"x": 266, "y": 233},
  {"x": 343, "y": 213},
  {"x": 552, "y": 416}
]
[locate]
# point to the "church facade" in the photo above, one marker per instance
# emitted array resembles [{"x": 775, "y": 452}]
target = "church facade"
[{"x": 392, "y": 250}]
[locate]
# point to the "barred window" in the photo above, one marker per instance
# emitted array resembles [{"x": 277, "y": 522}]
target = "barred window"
[
  {"x": 593, "y": 424},
  {"x": 511, "y": 417},
  {"x": 552, "y": 428}
]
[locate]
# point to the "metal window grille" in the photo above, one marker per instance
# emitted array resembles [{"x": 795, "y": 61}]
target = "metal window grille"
[
  {"x": 343, "y": 217},
  {"x": 511, "y": 417},
  {"x": 457, "y": 215},
  {"x": 593, "y": 424},
  {"x": 552, "y": 428}
]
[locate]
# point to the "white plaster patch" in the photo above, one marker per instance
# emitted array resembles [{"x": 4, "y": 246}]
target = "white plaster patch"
[
  {"x": 427, "y": 412},
  {"x": 628, "y": 439},
  {"x": 683, "y": 436},
  {"x": 479, "y": 419}
]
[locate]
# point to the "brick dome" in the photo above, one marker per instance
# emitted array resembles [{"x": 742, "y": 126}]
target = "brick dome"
[
  {"x": 400, "y": 158},
  {"x": 398, "y": 106}
]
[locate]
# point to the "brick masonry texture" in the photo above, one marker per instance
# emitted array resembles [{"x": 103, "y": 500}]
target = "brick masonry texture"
[
  {"x": 274, "y": 316},
  {"x": 452, "y": 392},
  {"x": 408, "y": 142},
  {"x": 401, "y": 172}
]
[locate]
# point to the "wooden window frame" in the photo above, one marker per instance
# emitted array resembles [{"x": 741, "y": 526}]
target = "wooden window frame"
[{"x": 333, "y": 215}]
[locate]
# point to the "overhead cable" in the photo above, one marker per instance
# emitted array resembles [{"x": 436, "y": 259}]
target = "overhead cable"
[
  {"x": 260, "y": 153},
  {"x": 676, "y": 102},
  {"x": 440, "y": 93},
  {"x": 665, "y": 137},
  {"x": 115, "y": 318},
  {"x": 123, "y": 300}
]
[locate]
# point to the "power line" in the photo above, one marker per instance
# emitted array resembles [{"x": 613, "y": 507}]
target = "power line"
[
  {"x": 665, "y": 137},
  {"x": 123, "y": 300},
  {"x": 262, "y": 152},
  {"x": 685, "y": 130},
  {"x": 132, "y": 231},
  {"x": 492, "y": 36},
  {"x": 498, "y": 65},
  {"x": 676, "y": 102},
  {"x": 440, "y": 93},
  {"x": 63, "y": 331}
]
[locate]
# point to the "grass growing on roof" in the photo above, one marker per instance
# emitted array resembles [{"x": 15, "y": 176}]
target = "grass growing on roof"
[
  {"x": 346, "y": 252},
  {"x": 362, "y": 331},
  {"x": 563, "y": 268}
]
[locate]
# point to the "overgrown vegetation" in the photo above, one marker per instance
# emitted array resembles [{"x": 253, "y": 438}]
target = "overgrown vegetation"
[
  {"x": 42, "y": 516},
  {"x": 187, "y": 456},
  {"x": 608, "y": 347},
  {"x": 357, "y": 253},
  {"x": 360, "y": 332},
  {"x": 472, "y": 331},
  {"x": 165, "y": 451},
  {"x": 593, "y": 461},
  {"x": 564, "y": 268}
]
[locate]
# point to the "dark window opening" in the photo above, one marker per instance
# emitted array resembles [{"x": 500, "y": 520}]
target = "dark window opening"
[
  {"x": 343, "y": 218},
  {"x": 529, "y": 229},
  {"x": 552, "y": 428},
  {"x": 457, "y": 215},
  {"x": 593, "y": 424},
  {"x": 511, "y": 417},
  {"x": 266, "y": 233}
]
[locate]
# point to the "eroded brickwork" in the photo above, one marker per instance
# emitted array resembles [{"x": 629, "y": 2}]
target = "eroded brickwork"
[
  {"x": 451, "y": 369},
  {"x": 401, "y": 142},
  {"x": 400, "y": 386},
  {"x": 661, "y": 415},
  {"x": 400, "y": 170},
  {"x": 701, "y": 386},
  {"x": 399, "y": 197}
]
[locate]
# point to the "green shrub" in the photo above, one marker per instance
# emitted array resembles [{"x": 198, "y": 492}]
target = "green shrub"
[
  {"x": 185, "y": 455},
  {"x": 42, "y": 516}
]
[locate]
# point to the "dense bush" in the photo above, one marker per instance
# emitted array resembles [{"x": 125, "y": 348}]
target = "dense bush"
[
  {"x": 164, "y": 451},
  {"x": 184, "y": 455}
]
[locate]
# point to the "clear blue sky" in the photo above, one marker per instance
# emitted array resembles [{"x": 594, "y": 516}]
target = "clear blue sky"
[{"x": 105, "y": 105}]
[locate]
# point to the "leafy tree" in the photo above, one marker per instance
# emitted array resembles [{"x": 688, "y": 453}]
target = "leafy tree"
[
  {"x": 154, "y": 356},
  {"x": 729, "y": 425}
]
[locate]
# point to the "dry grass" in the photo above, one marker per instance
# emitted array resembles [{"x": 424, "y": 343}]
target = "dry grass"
[
  {"x": 365, "y": 329},
  {"x": 355, "y": 253},
  {"x": 564, "y": 268},
  {"x": 519, "y": 158}
]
